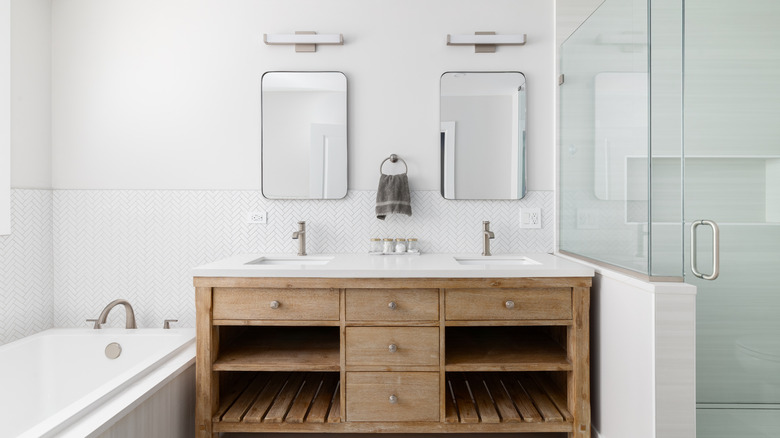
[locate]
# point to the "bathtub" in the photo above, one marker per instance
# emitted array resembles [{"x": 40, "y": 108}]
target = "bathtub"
[{"x": 61, "y": 383}]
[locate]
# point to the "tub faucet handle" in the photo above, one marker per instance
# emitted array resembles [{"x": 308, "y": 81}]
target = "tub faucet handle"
[
  {"x": 167, "y": 323},
  {"x": 96, "y": 326}
]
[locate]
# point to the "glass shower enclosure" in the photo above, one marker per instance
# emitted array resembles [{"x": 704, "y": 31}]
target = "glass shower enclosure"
[{"x": 670, "y": 119}]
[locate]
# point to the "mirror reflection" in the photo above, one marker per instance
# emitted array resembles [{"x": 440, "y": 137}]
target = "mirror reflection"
[
  {"x": 304, "y": 141},
  {"x": 483, "y": 132}
]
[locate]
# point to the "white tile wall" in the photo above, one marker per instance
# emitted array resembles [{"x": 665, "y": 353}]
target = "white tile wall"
[
  {"x": 26, "y": 266},
  {"x": 140, "y": 245}
]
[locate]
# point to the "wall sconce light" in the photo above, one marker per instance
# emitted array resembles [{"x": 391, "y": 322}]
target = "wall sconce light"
[
  {"x": 305, "y": 41},
  {"x": 485, "y": 42}
]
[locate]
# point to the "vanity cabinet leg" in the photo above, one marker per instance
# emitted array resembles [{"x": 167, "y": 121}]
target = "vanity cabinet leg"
[
  {"x": 206, "y": 380},
  {"x": 579, "y": 354}
]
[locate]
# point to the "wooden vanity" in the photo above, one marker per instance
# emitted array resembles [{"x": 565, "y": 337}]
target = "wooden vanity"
[{"x": 400, "y": 355}]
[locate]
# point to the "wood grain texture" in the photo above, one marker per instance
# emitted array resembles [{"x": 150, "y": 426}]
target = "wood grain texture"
[
  {"x": 242, "y": 404},
  {"x": 487, "y": 410},
  {"x": 303, "y": 401},
  {"x": 503, "y": 349},
  {"x": 578, "y": 385},
  {"x": 322, "y": 402},
  {"x": 206, "y": 381},
  {"x": 368, "y": 396},
  {"x": 255, "y": 304},
  {"x": 282, "y": 349},
  {"x": 506, "y": 373},
  {"x": 266, "y": 398},
  {"x": 413, "y": 346},
  {"x": 374, "y": 305},
  {"x": 281, "y": 404},
  {"x": 489, "y": 304}
]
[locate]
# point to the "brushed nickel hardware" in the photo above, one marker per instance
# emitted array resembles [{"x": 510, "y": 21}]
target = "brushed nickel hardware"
[
  {"x": 129, "y": 314},
  {"x": 715, "y": 249},
  {"x": 95, "y": 325},
  {"x": 393, "y": 399},
  {"x": 300, "y": 235},
  {"x": 486, "y": 236},
  {"x": 304, "y": 41},
  {"x": 561, "y": 79},
  {"x": 392, "y": 348},
  {"x": 167, "y": 323},
  {"x": 392, "y": 305},
  {"x": 113, "y": 350},
  {"x": 394, "y": 159},
  {"x": 274, "y": 304},
  {"x": 485, "y": 42},
  {"x": 509, "y": 304}
]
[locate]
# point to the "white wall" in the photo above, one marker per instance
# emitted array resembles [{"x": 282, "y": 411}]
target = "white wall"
[
  {"x": 31, "y": 94},
  {"x": 165, "y": 94},
  {"x": 5, "y": 117},
  {"x": 643, "y": 372}
]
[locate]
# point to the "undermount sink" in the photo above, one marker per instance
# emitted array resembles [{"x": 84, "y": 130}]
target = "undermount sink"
[
  {"x": 496, "y": 261},
  {"x": 290, "y": 261}
]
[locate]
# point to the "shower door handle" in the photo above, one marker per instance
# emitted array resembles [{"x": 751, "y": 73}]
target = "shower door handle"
[{"x": 715, "y": 249}]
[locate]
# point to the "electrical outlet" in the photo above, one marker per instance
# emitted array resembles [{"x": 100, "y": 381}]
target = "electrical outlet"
[
  {"x": 530, "y": 218},
  {"x": 256, "y": 217}
]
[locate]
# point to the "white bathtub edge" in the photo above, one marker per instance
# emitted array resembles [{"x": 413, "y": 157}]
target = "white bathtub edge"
[{"x": 108, "y": 413}]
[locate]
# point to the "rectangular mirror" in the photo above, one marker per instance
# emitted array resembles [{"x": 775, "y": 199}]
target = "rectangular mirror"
[
  {"x": 304, "y": 150},
  {"x": 483, "y": 132}
]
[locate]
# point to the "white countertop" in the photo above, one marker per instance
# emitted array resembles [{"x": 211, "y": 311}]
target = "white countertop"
[{"x": 394, "y": 266}]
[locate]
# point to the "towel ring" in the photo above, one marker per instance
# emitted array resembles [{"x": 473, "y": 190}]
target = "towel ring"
[{"x": 394, "y": 158}]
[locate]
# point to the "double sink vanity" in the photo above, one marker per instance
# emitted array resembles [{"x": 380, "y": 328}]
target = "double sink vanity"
[{"x": 403, "y": 344}]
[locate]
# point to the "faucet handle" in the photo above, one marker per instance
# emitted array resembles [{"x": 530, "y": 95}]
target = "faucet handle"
[
  {"x": 96, "y": 326},
  {"x": 167, "y": 323}
]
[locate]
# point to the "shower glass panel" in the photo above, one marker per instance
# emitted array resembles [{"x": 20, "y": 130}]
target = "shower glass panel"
[
  {"x": 620, "y": 154},
  {"x": 732, "y": 177}
]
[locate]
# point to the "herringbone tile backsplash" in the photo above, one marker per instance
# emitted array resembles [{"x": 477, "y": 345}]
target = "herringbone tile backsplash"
[
  {"x": 26, "y": 266},
  {"x": 140, "y": 245}
]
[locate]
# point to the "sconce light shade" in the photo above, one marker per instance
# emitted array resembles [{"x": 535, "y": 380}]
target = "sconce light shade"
[{"x": 304, "y": 41}]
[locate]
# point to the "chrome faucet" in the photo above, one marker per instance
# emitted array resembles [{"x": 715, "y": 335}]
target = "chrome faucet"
[
  {"x": 301, "y": 236},
  {"x": 129, "y": 315},
  {"x": 486, "y": 236}
]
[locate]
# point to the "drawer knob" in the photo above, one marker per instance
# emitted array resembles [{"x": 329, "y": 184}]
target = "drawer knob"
[
  {"x": 274, "y": 304},
  {"x": 392, "y": 348},
  {"x": 393, "y": 399},
  {"x": 509, "y": 304},
  {"x": 392, "y": 305}
]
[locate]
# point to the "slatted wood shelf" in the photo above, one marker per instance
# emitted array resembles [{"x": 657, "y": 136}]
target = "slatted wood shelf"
[
  {"x": 503, "y": 349},
  {"x": 282, "y": 349},
  {"x": 287, "y": 398},
  {"x": 504, "y": 398}
]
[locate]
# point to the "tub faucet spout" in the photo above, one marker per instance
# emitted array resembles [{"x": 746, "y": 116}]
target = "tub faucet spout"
[{"x": 129, "y": 314}]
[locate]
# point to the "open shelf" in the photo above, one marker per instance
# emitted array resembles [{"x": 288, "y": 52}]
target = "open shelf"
[
  {"x": 281, "y": 349},
  {"x": 280, "y": 397},
  {"x": 503, "y": 349},
  {"x": 504, "y": 398}
]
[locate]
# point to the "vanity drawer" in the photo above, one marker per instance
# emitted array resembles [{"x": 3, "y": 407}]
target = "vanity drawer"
[
  {"x": 392, "y": 305},
  {"x": 503, "y": 304},
  {"x": 392, "y": 396},
  {"x": 276, "y": 304},
  {"x": 392, "y": 346}
]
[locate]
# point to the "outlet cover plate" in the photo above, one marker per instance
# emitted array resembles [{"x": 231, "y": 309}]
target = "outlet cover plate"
[
  {"x": 530, "y": 218},
  {"x": 256, "y": 217}
]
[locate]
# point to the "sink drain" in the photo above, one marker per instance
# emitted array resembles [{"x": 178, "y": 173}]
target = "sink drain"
[{"x": 113, "y": 350}]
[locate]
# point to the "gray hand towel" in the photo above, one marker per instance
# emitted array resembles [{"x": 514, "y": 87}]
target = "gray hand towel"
[{"x": 393, "y": 196}]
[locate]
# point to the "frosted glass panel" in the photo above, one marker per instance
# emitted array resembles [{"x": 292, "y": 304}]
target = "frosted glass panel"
[
  {"x": 605, "y": 64},
  {"x": 732, "y": 108}
]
